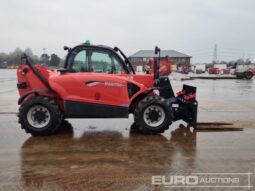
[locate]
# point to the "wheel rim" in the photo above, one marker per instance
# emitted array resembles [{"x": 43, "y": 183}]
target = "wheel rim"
[
  {"x": 154, "y": 115},
  {"x": 249, "y": 75},
  {"x": 38, "y": 116}
]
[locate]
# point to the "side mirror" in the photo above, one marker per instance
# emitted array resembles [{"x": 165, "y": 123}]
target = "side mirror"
[
  {"x": 62, "y": 70},
  {"x": 156, "y": 63},
  {"x": 67, "y": 48},
  {"x": 157, "y": 50}
]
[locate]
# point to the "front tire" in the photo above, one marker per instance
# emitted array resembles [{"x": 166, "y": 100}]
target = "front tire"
[
  {"x": 40, "y": 116},
  {"x": 153, "y": 115}
]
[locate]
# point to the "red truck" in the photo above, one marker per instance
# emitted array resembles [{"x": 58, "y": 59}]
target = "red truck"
[
  {"x": 165, "y": 66},
  {"x": 214, "y": 71}
]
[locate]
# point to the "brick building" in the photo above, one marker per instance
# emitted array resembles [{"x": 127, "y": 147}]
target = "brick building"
[{"x": 140, "y": 58}]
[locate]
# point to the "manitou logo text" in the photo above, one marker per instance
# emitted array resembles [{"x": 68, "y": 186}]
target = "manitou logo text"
[{"x": 112, "y": 84}]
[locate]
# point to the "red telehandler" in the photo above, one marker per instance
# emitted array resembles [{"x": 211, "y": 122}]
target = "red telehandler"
[{"x": 99, "y": 82}]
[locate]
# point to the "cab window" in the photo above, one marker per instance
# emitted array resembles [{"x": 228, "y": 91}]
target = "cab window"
[
  {"x": 105, "y": 62},
  {"x": 78, "y": 61}
]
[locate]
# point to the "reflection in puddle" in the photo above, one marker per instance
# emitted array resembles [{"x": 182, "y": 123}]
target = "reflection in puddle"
[{"x": 101, "y": 158}]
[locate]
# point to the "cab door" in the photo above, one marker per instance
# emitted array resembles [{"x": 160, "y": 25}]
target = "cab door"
[
  {"x": 104, "y": 69},
  {"x": 92, "y": 88}
]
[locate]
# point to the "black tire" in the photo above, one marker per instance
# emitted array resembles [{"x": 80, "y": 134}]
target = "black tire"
[
  {"x": 134, "y": 129},
  {"x": 248, "y": 75},
  {"x": 65, "y": 128},
  {"x": 142, "y": 122},
  {"x": 52, "y": 122}
]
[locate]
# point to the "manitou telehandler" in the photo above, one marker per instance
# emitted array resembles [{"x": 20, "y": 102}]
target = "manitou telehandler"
[{"x": 99, "y": 82}]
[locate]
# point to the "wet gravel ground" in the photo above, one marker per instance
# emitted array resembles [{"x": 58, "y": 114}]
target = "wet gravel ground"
[{"x": 108, "y": 155}]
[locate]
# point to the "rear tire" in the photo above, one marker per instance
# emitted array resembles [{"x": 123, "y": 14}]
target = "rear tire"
[
  {"x": 248, "y": 75},
  {"x": 153, "y": 115},
  {"x": 40, "y": 116}
]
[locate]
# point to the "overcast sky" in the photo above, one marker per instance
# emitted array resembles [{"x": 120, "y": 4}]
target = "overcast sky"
[{"x": 188, "y": 26}]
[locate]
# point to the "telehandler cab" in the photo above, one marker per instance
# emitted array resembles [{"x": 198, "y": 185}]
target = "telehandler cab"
[{"x": 100, "y": 82}]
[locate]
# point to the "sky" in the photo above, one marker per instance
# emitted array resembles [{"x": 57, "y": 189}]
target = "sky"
[{"x": 189, "y": 26}]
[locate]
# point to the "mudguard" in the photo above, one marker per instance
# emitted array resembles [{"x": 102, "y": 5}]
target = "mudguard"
[{"x": 36, "y": 92}]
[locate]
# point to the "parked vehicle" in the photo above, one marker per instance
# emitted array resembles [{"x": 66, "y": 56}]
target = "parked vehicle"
[
  {"x": 165, "y": 66},
  {"x": 199, "y": 71},
  {"x": 226, "y": 71},
  {"x": 100, "y": 82},
  {"x": 184, "y": 69},
  {"x": 198, "y": 68},
  {"x": 214, "y": 71},
  {"x": 246, "y": 71}
]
